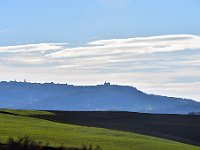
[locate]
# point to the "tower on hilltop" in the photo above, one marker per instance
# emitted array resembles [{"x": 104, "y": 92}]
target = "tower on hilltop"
[{"x": 106, "y": 83}]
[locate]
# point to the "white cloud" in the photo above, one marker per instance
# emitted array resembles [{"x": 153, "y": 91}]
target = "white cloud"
[
  {"x": 32, "y": 54},
  {"x": 41, "y": 47},
  {"x": 142, "y": 45}
]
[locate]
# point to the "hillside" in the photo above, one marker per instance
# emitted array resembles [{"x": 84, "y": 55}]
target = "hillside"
[
  {"x": 182, "y": 128},
  {"x": 18, "y": 123},
  {"x": 50, "y": 96}
]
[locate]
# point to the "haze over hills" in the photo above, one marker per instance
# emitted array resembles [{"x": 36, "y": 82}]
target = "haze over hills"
[{"x": 50, "y": 96}]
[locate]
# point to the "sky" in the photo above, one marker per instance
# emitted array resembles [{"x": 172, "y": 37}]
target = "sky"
[{"x": 153, "y": 45}]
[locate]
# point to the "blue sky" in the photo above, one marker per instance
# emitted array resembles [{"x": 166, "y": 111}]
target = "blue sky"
[
  {"x": 80, "y": 21},
  {"x": 151, "y": 44}
]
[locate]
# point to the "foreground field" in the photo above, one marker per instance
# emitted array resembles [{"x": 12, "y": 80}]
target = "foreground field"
[{"x": 55, "y": 134}]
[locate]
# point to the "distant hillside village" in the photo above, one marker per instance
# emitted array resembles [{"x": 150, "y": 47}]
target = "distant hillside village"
[{"x": 51, "y": 83}]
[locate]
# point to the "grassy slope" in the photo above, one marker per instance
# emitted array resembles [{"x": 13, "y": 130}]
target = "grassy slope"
[{"x": 71, "y": 135}]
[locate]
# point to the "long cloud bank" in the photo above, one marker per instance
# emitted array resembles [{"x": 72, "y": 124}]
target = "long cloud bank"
[{"x": 142, "y": 45}]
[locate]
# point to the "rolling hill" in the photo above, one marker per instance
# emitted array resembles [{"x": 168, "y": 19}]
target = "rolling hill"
[{"x": 50, "y": 96}]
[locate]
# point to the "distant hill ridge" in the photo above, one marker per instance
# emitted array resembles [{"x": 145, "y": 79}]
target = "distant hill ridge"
[{"x": 50, "y": 96}]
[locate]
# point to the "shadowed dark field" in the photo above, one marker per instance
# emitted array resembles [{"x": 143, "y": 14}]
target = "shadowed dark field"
[{"x": 182, "y": 128}]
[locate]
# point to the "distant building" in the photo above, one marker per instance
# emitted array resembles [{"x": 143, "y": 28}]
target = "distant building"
[{"x": 107, "y": 83}]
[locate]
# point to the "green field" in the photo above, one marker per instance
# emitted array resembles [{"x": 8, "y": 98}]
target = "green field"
[{"x": 72, "y": 135}]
